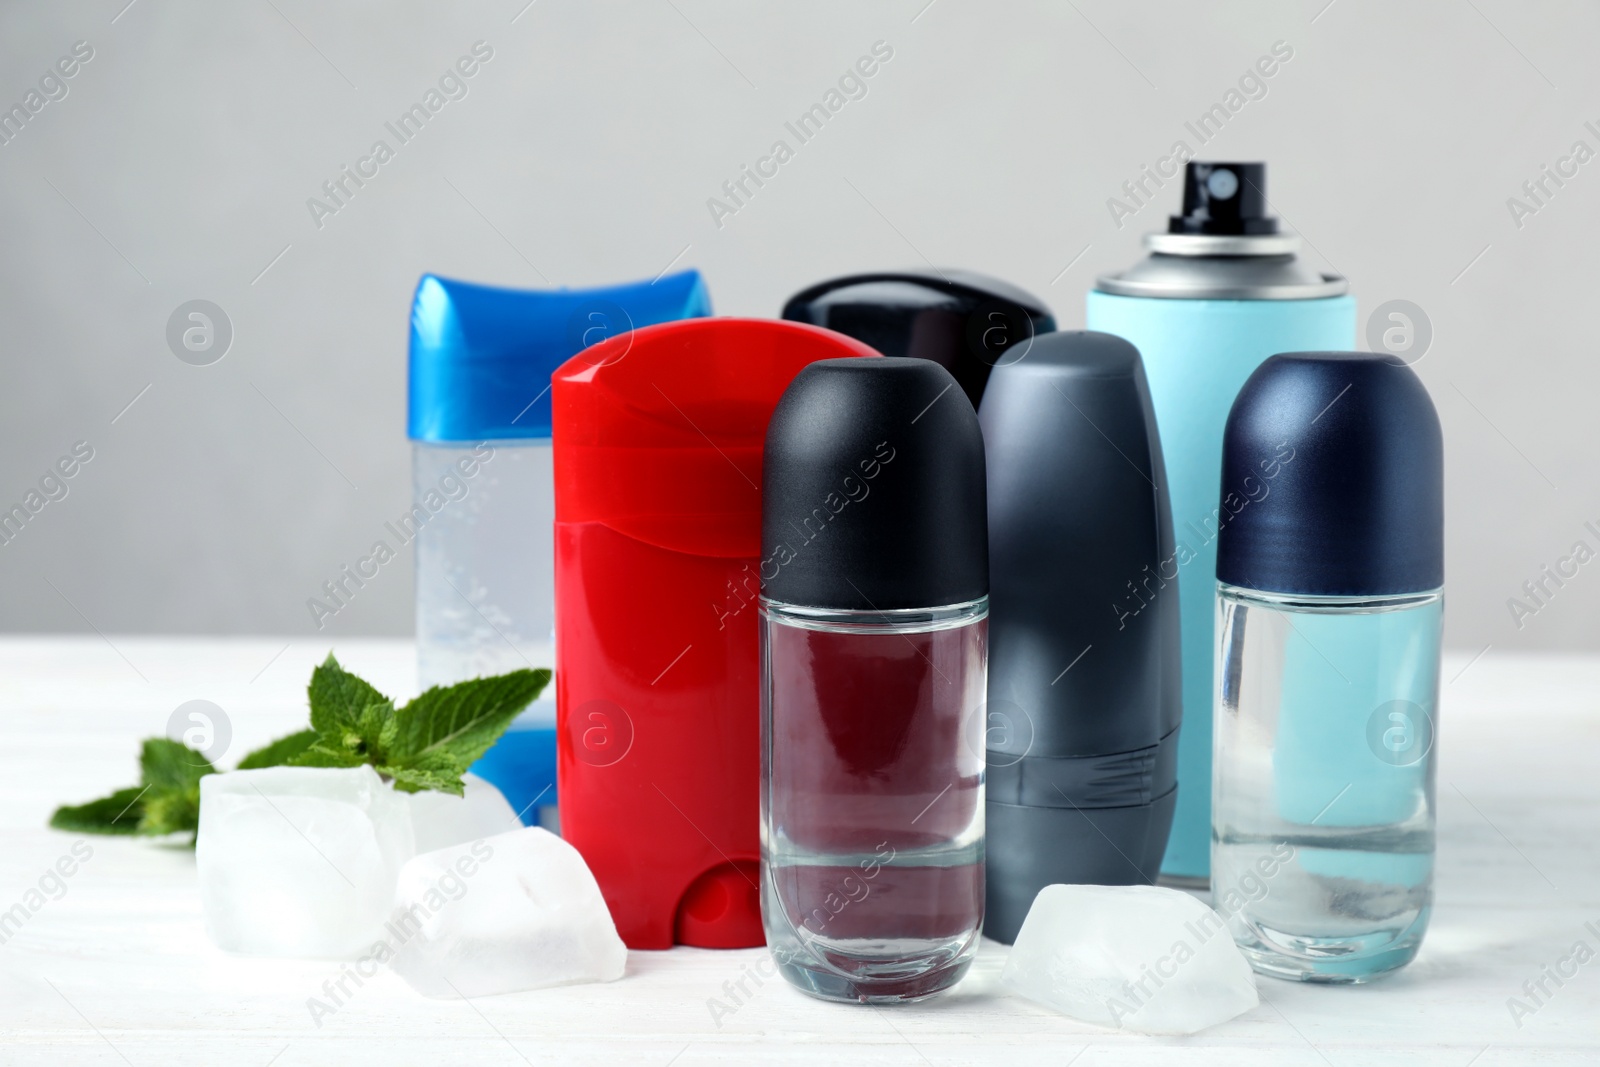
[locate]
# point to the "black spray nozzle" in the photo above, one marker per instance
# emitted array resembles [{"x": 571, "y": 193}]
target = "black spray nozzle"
[{"x": 1224, "y": 198}]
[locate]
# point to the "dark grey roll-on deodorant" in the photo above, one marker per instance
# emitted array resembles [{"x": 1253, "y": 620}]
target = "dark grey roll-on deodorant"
[{"x": 1083, "y": 712}]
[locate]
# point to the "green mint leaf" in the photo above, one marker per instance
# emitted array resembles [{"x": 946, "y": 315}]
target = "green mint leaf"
[
  {"x": 338, "y": 698},
  {"x": 171, "y": 771},
  {"x": 167, "y": 765},
  {"x": 170, "y": 811},
  {"x": 278, "y": 752},
  {"x": 375, "y": 731},
  {"x": 416, "y": 779},
  {"x": 166, "y": 800},
  {"x": 446, "y": 729},
  {"x": 118, "y": 813}
]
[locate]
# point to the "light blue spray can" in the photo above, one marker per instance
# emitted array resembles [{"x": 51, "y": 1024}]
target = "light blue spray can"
[{"x": 1218, "y": 294}]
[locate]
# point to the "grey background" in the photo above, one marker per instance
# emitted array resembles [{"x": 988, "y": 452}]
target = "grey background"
[{"x": 179, "y": 164}]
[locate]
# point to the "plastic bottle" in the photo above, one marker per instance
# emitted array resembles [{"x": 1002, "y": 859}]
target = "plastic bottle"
[
  {"x": 658, "y": 455},
  {"x": 1083, "y": 714},
  {"x": 482, "y": 488}
]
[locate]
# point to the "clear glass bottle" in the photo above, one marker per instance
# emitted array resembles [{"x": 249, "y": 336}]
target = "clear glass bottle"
[
  {"x": 1330, "y": 606},
  {"x": 872, "y": 797},
  {"x": 1323, "y": 839},
  {"x": 874, "y": 671}
]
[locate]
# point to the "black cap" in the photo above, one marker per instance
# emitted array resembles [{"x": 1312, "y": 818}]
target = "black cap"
[
  {"x": 873, "y": 489},
  {"x": 965, "y": 322},
  {"x": 1332, "y": 479},
  {"x": 1084, "y": 666},
  {"x": 1224, "y": 198}
]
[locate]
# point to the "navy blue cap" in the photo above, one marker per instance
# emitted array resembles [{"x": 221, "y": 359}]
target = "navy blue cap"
[
  {"x": 482, "y": 356},
  {"x": 1332, "y": 479}
]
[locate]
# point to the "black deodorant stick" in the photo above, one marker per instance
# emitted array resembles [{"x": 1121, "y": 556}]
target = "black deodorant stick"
[
  {"x": 1083, "y": 711},
  {"x": 965, "y": 322}
]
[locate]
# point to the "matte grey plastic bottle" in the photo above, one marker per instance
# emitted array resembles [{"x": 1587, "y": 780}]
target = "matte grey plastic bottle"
[{"x": 1084, "y": 695}]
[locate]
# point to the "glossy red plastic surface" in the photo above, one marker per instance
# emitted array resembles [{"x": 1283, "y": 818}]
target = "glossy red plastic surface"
[{"x": 658, "y": 441}]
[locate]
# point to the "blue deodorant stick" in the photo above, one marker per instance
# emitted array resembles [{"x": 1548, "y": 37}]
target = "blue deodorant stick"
[{"x": 483, "y": 512}]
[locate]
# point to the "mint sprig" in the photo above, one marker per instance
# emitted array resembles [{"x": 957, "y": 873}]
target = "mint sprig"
[
  {"x": 427, "y": 744},
  {"x": 166, "y": 800}
]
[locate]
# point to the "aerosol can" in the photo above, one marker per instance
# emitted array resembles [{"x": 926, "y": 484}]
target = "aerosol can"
[{"x": 1220, "y": 292}]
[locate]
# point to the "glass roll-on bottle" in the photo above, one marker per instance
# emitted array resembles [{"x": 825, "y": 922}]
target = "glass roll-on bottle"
[
  {"x": 1330, "y": 568},
  {"x": 874, "y": 598}
]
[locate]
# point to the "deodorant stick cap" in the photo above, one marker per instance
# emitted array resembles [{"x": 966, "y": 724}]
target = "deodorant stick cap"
[
  {"x": 873, "y": 490},
  {"x": 482, "y": 356},
  {"x": 1332, "y": 479},
  {"x": 968, "y": 323}
]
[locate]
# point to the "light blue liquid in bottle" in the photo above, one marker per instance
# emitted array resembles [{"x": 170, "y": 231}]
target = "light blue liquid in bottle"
[{"x": 1326, "y": 717}]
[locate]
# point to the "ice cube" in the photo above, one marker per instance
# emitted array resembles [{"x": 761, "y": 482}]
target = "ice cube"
[
  {"x": 441, "y": 820},
  {"x": 507, "y": 913},
  {"x": 1135, "y": 958},
  {"x": 300, "y": 861}
]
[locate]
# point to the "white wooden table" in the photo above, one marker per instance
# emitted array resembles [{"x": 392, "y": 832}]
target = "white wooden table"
[{"x": 119, "y": 969}]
